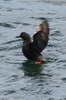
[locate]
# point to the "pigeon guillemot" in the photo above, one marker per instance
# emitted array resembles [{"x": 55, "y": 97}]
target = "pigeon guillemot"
[{"x": 32, "y": 49}]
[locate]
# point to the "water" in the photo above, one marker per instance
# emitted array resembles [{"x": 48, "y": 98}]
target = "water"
[{"x": 19, "y": 79}]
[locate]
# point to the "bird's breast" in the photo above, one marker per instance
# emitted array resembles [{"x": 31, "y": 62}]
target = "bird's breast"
[{"x": 25, "y": 50}]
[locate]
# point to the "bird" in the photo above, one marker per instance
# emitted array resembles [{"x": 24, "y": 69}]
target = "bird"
[{"x": 32, "y": 50}]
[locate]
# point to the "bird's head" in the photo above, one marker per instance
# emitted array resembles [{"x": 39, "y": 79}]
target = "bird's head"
[{"x": 24, "y": 36}]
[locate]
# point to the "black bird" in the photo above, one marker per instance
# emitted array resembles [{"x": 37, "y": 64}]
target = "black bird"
[{"x": 32, "y": 49}]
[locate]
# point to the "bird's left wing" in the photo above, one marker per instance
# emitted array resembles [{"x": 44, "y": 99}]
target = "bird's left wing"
[{"x": 41, "y": 36}]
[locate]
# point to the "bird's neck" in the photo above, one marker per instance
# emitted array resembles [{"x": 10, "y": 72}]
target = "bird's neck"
[{"x": 27, "y": 41}]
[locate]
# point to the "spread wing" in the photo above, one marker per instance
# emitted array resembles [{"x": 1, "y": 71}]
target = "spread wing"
[{"x": 41, "y": 36}]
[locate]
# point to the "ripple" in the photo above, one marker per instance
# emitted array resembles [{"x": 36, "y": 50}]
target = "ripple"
[
  {"x": 54, "y": 2},
  {"x": 51, "y": 99},
  {"x": 56, "y": 33},
  {"x": 41, "y": 18},
  {"x": 64, "y": 80},
  {"x": 6, "y": 25},
  {"x": 13, "y": 78},
  {"x": 4, "y": 48},
  {"x": 21, "y": 23},
  {"x": 7, "y": 92},
  {"x": 60, "y": 61},
  {"x": 9, "y": 45},
  {"x": 7, "y": 0},
  {"x": 12, "y": 41}
]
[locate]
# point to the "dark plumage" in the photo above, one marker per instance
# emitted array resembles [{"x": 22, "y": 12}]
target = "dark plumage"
[{"x": 32, "y": 50}]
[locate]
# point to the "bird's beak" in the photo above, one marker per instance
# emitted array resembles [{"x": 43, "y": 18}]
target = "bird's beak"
[{"x": 17, "y": 36}]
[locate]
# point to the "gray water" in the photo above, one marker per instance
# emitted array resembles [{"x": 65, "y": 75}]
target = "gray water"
[{"x": 19, "y": 78}]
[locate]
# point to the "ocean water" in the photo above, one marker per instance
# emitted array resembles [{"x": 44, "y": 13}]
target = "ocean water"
[{"x": 19, "y": 78}]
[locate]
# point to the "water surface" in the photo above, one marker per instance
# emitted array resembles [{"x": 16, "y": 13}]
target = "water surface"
[{"x": 19, "y": 78}]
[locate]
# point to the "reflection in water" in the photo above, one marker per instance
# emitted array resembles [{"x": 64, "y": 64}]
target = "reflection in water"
[{"x": 31, "y": 69}]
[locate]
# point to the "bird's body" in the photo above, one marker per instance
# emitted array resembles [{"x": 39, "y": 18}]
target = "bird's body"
[{"x": 32, "y": 50}]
